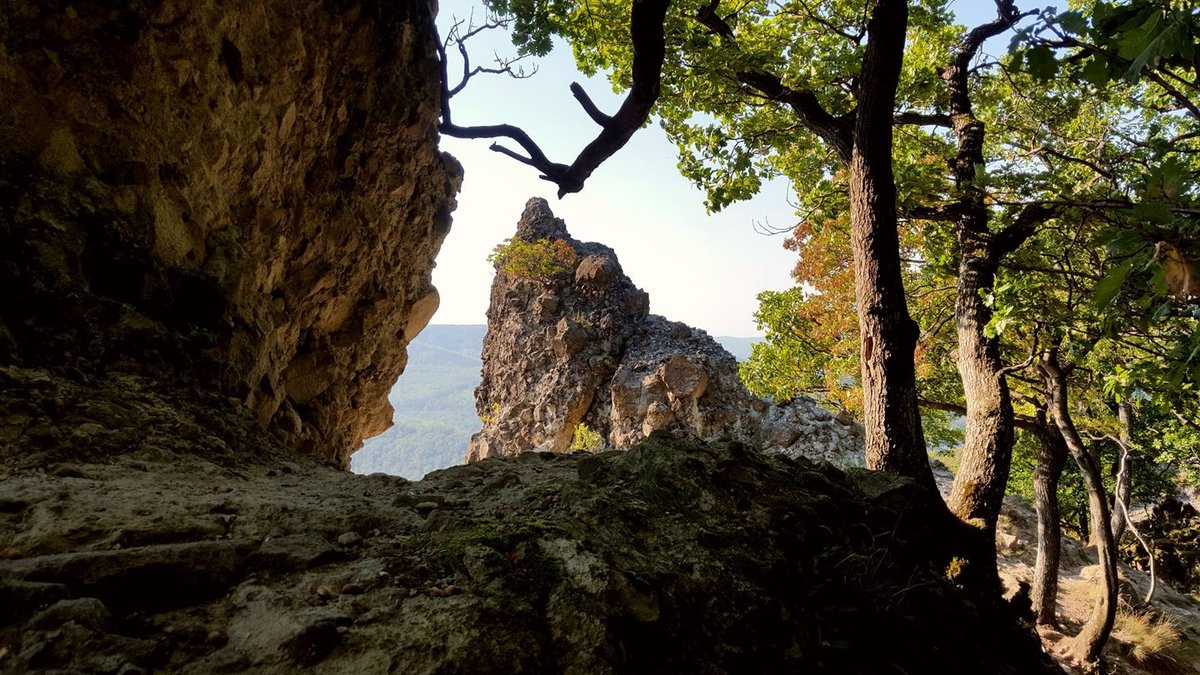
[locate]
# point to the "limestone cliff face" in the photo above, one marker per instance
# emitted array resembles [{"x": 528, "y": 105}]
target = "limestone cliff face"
[
  {"x": 243, "y": 198},
  {"x": 580, "y": 347}
]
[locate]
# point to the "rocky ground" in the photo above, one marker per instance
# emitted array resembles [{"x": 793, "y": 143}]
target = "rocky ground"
[
  {"x": 1078, "y": 578},
  {"x": 672, "y": 557},
  {"x": 141, "y": 531}
]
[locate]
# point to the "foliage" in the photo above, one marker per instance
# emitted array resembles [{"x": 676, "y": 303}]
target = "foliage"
[
  {"x": 794, "y": 360},
  {"x": 542, "y": 259},
  {"x": 1150, "y": 479},
  {"x": 586, "y": 440}
]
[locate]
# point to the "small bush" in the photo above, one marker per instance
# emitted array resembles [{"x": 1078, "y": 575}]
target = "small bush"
[
  {"x": 586, "y": 440},
  {"x": 541, "y": 259},
  {"x": 488, "y": 418}
]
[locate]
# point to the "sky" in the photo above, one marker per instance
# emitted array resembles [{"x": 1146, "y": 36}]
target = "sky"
[{"x": 699, "y": 268}]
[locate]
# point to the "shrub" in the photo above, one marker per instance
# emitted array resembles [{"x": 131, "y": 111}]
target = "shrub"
[
  {"x": 488, "y": 418},
  {"x": 586, "y": 440},
  {"x": 541, "y": 259}
]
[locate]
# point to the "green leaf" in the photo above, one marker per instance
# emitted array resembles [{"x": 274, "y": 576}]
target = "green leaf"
[
  {"x": 1041, "y": 63},
  {"x": 1108, "y": 287},
  {"x": 1073, "y": 22},
  {"x": 1095, "y": 71},
  {"x": 1153, "y": 212}
]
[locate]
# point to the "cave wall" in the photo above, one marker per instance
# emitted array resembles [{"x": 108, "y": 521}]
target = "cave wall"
[{"x": 240, "y": 197}]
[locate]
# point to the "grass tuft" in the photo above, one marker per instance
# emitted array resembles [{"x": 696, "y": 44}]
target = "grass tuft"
[{"x": 1147, "y": 635}]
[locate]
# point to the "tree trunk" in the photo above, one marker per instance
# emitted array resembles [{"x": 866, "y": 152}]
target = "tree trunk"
[
  {"x": 1051, "y": 460},
  {"x": 986, "y": 454},
  {"x": 1095, "y": 632},
  {"x": 894, "y": 439},
  {"x": 1123, "y": 469},
  {"x": 987, "y": 445}
]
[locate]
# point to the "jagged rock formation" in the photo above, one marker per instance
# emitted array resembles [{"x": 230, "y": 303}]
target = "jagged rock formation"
[
  {"x": 1174, "y": 527},
  {"x": 674, "y": 557},
  {"x": 580, "y": 347},
  {"x": 240, "y": 201}
]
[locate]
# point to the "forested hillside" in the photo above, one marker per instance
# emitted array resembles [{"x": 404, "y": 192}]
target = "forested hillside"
[{"x": 434, "y": 406}]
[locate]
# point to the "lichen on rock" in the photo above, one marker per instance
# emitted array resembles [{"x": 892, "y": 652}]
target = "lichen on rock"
[{"x": 583, "y": 348}]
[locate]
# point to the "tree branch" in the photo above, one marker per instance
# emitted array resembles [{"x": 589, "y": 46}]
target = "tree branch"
[
  {"x": 1014, "y": 235},
  {"x": 707, "y": 16},
  {"x": 944, "y": 213},
  {"x": 1020, "y": 421},
  {"x": 911, "y": 117},
  {"x": 646, "y": 18},
  {"x": 589, "y": 107},
  {"x": 835, "y": 131},
  {"x": 1050, "y": 270}
]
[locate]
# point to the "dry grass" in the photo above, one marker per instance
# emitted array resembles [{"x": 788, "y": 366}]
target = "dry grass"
[{"x": 1147, "y": 634}]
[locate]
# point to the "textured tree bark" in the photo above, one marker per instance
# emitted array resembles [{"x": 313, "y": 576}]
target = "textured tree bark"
[
  {"x": 1051, "y": 460},
  {"x": 1087, "y": 645},
  {"x": 979, "y": 485},
  {"x": 986, "y": 455},
  {"x": 894, "y": 439}
]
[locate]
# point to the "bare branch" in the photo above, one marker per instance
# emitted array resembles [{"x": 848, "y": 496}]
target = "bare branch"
[
  {"x": 646, "y": 30},
  {"x": 589, "y": 107}
]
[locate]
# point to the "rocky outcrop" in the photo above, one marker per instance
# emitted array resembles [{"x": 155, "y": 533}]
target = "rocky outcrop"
[
  {"x": 673, "y": 557},
  {"x": 578, "y": 345},
  {"x": 1174, "y": 527},
  {"x": 235, "y": 199}
]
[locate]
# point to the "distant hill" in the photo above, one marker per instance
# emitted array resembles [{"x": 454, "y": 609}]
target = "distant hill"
[
  {"x": 435, "y": 403},
  {"x": 435, "y": 406}
]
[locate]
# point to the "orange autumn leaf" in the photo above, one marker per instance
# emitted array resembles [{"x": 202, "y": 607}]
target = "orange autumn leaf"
[{"x": 1179, "y": 274}]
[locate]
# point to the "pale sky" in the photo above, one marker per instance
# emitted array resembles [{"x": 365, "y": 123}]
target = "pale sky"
[{"x": 704, "y": 270}]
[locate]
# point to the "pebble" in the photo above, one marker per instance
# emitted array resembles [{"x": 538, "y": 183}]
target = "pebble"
[{"x": 349, "y": 539}]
